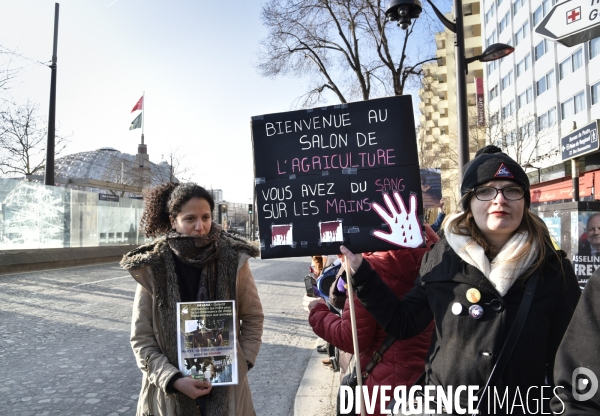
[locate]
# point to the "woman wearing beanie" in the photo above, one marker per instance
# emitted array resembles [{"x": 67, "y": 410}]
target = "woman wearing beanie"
[
  {"x": 501, "y": 297},
  {"x": 192, "y": 259}
]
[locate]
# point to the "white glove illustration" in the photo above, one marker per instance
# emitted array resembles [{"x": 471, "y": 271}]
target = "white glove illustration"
[{"x": 405, "y": 230}]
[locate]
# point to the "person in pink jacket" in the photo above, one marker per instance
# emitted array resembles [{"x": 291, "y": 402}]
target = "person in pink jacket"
[{"x": 404, "y": 361}]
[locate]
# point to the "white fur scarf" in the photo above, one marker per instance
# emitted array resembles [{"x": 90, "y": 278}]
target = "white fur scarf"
[{"x": 503, "y": 270}]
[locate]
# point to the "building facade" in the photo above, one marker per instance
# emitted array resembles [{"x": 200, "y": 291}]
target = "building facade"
[
  {"x": 532, "y": 98},
  {"x": 438, "y": 137},
  {"x": 541, "y": 92}
]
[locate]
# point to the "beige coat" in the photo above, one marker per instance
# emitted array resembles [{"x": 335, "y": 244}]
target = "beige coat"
[{"x": 147, "y": 343}]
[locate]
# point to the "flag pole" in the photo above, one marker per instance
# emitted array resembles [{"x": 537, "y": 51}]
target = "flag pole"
[
  {"x": 354, "y": 335},
  {"x": 143, "y": 111}
]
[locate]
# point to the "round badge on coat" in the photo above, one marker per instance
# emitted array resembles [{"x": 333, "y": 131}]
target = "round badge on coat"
[
  {"x": 457, "y": 308},
  {"x": 473, "y": 295},
  {"x": 476, "y": 311}
]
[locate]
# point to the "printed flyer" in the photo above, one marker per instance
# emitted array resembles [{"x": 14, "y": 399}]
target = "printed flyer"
[{"x": 206, "y": 338}]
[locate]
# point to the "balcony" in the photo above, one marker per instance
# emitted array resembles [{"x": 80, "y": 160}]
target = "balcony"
[
  {"x": 473, "y": 42},
  {"x": 443, "y": 69},
  {"x": 472, "y": 20}
]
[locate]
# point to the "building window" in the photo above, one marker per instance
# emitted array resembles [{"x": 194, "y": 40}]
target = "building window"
[
  {"x": 579, "y": 102},
  {"x": 525, "y": 98},
  {"x": 509, "y": 138},
  {"x": 594, "y": 47},
  {"x": 522, "y": 33},
  {"x": 523, "y": 65},
  {"x": 491, "y": 66},
  {"x": 572, "y": 106},
  {"x": 547, "y": 119},
  {"x": 493, "y": 93},
  {"x": 507, "y": 80},
  {"x": 541, "y": 11},
  {"x": 540, "y": 49},
  {"x": 526, "y": 131},
  {"x": 504, "y": 22},
  {"x": 490, "y": 13},
  {"x": 517, "y": 5},
  {"x": 494, "y": 119},
  {"x": 571, "y": 64},
  {"x": 545, "y": 83},
  {"x": 596, "y": 93},
  {"x": 508, "y": 110},
  {"x": 491, "y": 39}
]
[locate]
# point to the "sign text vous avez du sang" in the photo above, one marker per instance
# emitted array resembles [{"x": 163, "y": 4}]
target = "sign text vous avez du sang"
[{"x": 340, "y": 174}]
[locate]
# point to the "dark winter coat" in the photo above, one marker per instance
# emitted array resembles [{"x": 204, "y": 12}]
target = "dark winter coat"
[
  {"x": 403, "y": 362},
  {"x": 580, "y": 347},
  {"x": 464, "y": 350}
]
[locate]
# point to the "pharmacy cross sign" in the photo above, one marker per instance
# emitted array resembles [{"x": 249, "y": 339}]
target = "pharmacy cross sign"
[
  {"x": 574, "y": 15},
  {"x": 572, "y": 22}
]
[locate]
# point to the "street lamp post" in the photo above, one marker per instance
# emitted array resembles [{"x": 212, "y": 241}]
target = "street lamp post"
[
  {"x": 530, "y": 166},
  {"x": 403, "y": 11}
]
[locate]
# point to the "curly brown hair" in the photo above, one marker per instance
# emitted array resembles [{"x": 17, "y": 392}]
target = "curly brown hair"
[{"x": 165, "y": 201}]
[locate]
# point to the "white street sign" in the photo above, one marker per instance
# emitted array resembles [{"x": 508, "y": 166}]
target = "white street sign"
[{"x": 572, "y": 22}]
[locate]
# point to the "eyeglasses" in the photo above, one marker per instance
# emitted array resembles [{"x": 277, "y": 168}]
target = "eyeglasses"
[
  {"x": 593, "y": 230},
  {"x": 489, "y": 193}
]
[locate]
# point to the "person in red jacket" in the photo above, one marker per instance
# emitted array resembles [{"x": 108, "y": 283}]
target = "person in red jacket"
[{"x": 404, "y": 361}]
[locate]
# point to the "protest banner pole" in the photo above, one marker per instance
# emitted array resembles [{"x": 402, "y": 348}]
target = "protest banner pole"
[{"x": 354, "y": 333}]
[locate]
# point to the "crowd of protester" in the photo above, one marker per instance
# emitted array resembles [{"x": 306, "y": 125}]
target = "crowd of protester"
[{"x": 492, "y": 304}]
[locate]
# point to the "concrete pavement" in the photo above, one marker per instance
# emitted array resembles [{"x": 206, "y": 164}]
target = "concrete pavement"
[
  {"x": 64, "y": 342},
  {"x": 317, "y": 393}
]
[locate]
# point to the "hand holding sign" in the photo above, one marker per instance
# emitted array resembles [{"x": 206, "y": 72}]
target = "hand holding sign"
[{"x": 405, "y": 230}]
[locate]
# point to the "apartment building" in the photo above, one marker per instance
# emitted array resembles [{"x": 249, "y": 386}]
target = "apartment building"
[
  {"x": 539, "y": 93},
  {"x": 438, "y": 120}
]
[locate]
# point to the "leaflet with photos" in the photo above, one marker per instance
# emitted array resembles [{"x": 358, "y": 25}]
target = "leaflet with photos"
[{"x": 206, "y": 340}]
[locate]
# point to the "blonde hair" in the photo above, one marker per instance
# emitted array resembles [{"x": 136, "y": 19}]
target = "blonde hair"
[{"x": 538, "y": 235}]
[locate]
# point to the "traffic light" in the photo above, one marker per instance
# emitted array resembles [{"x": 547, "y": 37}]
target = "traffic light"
[{"x": 249, "y": 209}]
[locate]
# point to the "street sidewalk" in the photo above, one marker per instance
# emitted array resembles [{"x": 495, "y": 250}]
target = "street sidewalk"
[{"x": 317, "y": 393}]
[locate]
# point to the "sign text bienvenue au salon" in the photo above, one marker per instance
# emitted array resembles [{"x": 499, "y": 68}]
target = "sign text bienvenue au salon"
[{"x": 340, "y": 174}]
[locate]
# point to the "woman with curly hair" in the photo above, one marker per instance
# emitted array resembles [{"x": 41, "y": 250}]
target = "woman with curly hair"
[{"x": 192, "y": 259}]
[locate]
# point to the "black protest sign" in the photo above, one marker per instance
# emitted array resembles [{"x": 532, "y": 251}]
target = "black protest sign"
[{"x": 340, "y": 174}]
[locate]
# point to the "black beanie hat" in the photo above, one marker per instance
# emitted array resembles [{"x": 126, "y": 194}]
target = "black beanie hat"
[{"x": 491, "y": 164}]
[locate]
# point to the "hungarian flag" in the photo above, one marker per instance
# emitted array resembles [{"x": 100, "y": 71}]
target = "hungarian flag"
[
  {"x": 139, "y": 105},
  {"x": 137, "y": 123}
]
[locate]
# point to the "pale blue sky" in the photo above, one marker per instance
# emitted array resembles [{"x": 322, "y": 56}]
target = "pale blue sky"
[{"x": 195, "y": 59}]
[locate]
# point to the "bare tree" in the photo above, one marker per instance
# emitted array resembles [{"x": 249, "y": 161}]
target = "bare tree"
[
  {"x": 179, "y": 170},
  {"x": 342, "y": 45},
  {"x": 8, "y": 69},
  {"x": 23, "y": 137},
  {"x": 521, "y": 135}
]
